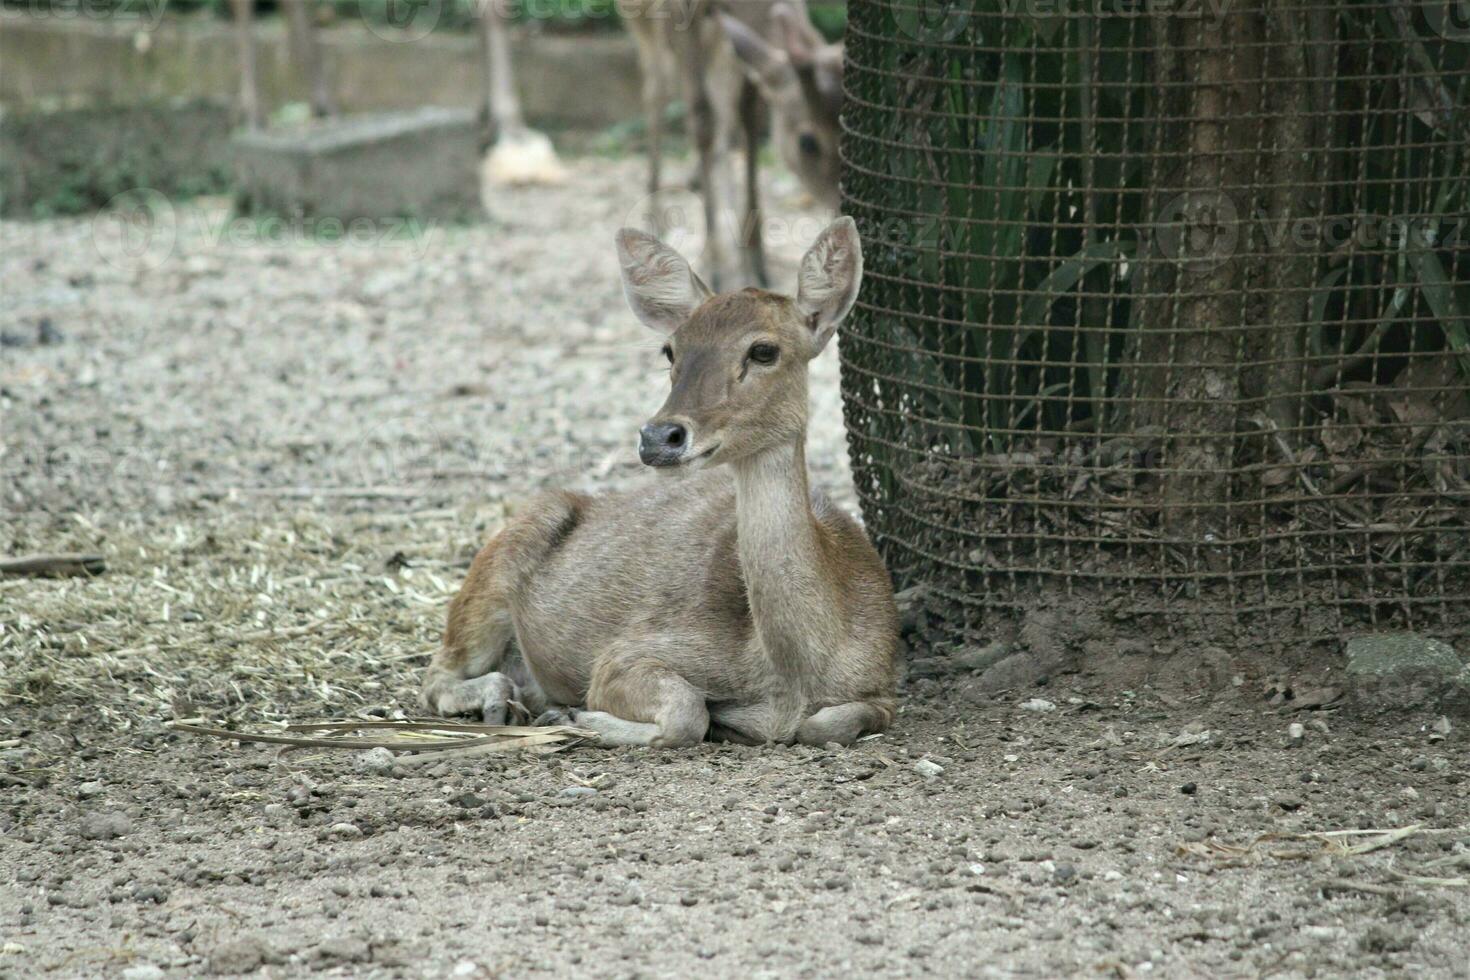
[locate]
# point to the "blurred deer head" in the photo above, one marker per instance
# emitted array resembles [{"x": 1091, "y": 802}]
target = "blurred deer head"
[{"x": 800, "y": 77}]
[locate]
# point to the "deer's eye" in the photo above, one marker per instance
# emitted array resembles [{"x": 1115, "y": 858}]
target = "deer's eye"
[
  {"x": 669, "y": 353},
  {"x": 808, "y": 144},
  {"x": 764, "y": 353}
]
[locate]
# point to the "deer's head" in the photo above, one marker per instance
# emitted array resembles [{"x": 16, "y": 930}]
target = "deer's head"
[
  {"x": 800, "y": 77},
  {"x": 737, "y": 361}
]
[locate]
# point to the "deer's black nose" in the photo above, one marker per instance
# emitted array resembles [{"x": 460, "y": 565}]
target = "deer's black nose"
[{"x": 662, "y": 443}]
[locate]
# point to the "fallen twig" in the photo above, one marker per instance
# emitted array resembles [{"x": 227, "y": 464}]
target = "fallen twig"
[
  {"x": 1348, "y": 885},
  {"x": 352, "y": 493},
  {"x": 1329, "y": 841},
  {"x": 54, "y": 566},
  {"x": 1429, "y": 881}
]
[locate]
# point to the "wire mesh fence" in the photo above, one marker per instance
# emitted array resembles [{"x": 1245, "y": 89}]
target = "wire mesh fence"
[{"x": 1167, "y": 304}]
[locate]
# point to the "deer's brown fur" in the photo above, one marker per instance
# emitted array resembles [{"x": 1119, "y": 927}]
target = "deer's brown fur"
[{"x": 726, "y": 599}]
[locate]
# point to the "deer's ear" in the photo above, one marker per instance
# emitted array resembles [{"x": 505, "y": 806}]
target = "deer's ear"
[
  {"x": 662, "y": 290},
  {"x": 827, "y": 284},
  {"x": 794, "y": 26},
  {"x": 764, "y": 63}
]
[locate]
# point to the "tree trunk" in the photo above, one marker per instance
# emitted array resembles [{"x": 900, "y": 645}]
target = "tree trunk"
[{"x": 1181, "y": 370}]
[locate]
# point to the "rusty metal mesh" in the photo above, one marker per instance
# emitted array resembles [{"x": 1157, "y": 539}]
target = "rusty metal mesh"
[{"x": 1166, "y": 303}]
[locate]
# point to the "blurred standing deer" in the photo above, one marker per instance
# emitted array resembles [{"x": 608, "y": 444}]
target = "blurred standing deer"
[
  {"x": 719, "y": 58},
  {"x": 518, "y": 154},
  {"x": 728, "y": 601}
]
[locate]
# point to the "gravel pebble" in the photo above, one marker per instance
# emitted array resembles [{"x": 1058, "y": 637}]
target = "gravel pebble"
[
  {"x": 105, "y": 825},
  {"x": 378, "y": 761}
]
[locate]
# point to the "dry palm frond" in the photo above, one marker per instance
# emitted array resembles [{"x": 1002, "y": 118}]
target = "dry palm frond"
[{"x": 430, "y": 737}]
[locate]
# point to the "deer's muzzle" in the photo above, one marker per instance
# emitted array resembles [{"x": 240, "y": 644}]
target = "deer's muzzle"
[{"x": 662, "y": 443}]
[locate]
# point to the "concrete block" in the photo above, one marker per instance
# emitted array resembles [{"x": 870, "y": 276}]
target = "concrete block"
[{"x": 421, "y": 164}]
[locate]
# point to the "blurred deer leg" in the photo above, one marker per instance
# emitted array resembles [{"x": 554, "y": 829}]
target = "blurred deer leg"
[
  {"x": 306, "y": 51},
  {"x": 244, "y": 15},
  {"x": 702, "y": 126},
  {"x": 655, "y": 98},
  {"x": 752, "y": 245},
  {"x": 518, "y": 154},
  {"x": 500, "y": 91},
  {"x": 306, "y": 54}
]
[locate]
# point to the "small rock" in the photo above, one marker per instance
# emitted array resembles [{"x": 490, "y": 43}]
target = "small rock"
[
  {"x": 1383, "y": 939},
  {"x": 378, "y": 761},
  {"x": 88, "y": 790},
  {"x": 578, "y": 792},
  {"x": 47, "y": 334},
  {"x": 1406, "y": 670},
  {"x": 243, "y": 955},
  {"x": 1440, "y": 729},
  {"x": 688, "y": 901},
  {"x": 982, "y": 658},
  {"x": 345, "y": 830},
  {"x": 142, "y": 971},
  {"x": 837, "y": 882},
  {"x": 1038, "y": 704},
  {"x": 1188, "y": 789},
  {"x": 1319, "y": 725},
  {"x": 928, "y": 768},
  {"x": 469, "y": 801},
  {"x": 105, "y": 825},
  {"x": 1296, "y": 734},
  {"x": 156, "y": 894},
  {"x": 1064, "y": 874},
  {"x": 346, "y": 949}
]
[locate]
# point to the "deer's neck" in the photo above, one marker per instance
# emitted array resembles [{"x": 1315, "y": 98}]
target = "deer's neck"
[{"x": 783, "y": 560}]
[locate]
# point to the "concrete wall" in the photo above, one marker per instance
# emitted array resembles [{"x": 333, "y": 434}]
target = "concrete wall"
[{"x": 586, "y": 81}]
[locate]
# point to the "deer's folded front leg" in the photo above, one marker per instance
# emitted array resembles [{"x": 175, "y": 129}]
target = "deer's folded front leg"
[
  {"x": 845, "y": 723},
  {"x": 643, "y": 702}
]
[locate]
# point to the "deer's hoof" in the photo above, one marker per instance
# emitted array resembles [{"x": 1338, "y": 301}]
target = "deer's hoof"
[{"x": 489, "y": 696}]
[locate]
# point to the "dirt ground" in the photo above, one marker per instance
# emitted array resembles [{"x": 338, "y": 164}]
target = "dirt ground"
[{"x": 288, "y": 447}]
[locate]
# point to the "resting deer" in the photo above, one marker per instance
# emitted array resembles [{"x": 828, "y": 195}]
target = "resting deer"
[
  {"x": 726, "y": 602},
  {"x": 720, "y": 61}
]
